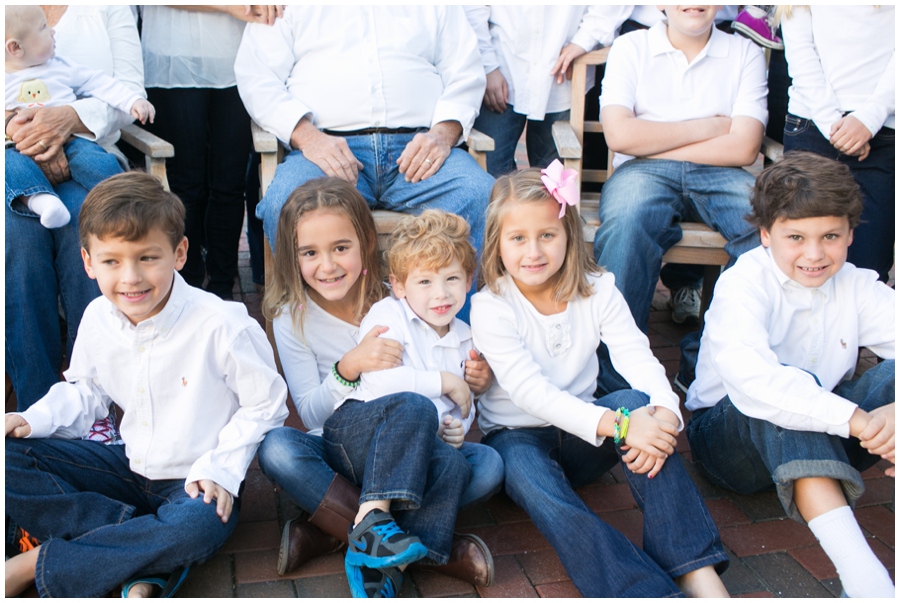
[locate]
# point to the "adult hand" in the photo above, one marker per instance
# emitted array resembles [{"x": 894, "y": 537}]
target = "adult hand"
[
  {"x": 42, "y": 131},
  {"x": 373, "y": 353},
  {"x": 330, "y": 153},
  {"x": 17, "y": 427},
  {"x": 458, "y": 391},
  {"x": 452, "y": 431},
  {"x": 849, "y": 135},
  {"x": 211, "y": 490},
  {"x": 563, "y": 65},
  {"x": 56, "y": 168},
  {"x": 256, "y": 13},
  {"x": 426, "y": 152},
  {"x": 478, "y": 373},
  {"x": 496, "y": 93}
]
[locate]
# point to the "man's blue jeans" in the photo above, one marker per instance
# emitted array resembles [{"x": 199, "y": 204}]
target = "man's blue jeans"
[
  {"x": 389, "y": 449},
  {"x": 750, "y": 455},
  {"x": 506, "y": 129},
  {"x": 459, "y": 186},
  {"x": 544, "y": 464},
  {"x": 873, "y": 238},
  {"x": 43, "y": 266},
  {"x": 100, "y": 523}
]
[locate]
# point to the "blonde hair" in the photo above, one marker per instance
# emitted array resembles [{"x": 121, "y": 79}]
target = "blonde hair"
[
  {"x": 526, "y": 187},
  {"x": 285, "y": 286},
  {"x": 430, "y": 241}
]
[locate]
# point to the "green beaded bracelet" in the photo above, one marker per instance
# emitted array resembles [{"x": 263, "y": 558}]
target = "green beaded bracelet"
[
  {"x": 620, "y": 429},
  {"x": 341, "y": 380}
]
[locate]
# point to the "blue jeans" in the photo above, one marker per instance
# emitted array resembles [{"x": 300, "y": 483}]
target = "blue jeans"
[
  {"x": 750, "y": 455},
  {"x": 101, "y": 524},
  {"x": 459, "y": 187},
  {"x": 506, "y": 129},
  {"x": 544, "y": 464},
  {"x": 43, "y": 266},
  {"x": 295, "y": 461},
  {"x": 643, "y": 203},
  {"x": 389, "y": 449},
  {"x": 873, "y": 239}
]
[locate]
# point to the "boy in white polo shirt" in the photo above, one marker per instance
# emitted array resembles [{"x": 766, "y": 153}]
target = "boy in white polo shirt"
[
  {"x": 683, "y": 106},
  {"x": 775, "y": 402}
]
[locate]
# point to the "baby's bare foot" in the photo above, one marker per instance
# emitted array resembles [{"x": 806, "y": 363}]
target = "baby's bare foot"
[{"x": 20, "y": 572}]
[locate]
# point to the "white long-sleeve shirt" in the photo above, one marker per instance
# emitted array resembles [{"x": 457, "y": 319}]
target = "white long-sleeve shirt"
[
  {"x": 425, "y": 356},
  {"x": 357, "y": 67},
  {"x": 545, "y": 367},
  {"x": 104, "y": 37},
  {"x": 197, "y": 384},
  {"x": 58, "y": 82},
  {"x": 307, "y": 359},
  {"x": 841, "y": 58},
  {"x": 766, "y": 336},
  {"x": 524, "y": 43}
]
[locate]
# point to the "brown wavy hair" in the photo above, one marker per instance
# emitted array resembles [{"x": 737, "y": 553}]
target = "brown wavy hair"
[
  {"x": 525, "y": 186},
  {"x": 285, "y": 286}
]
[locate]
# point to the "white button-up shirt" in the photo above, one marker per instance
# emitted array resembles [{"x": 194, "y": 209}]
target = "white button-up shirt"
[
  {"x": 524, "y": 43},
  {"x": 766, "y": 336},
  {"x": 357, "y": 67},
  {"x": 425, "y": 356},
  {"x": 197, "y": 385},
  {"x": 648, "y": 75}
]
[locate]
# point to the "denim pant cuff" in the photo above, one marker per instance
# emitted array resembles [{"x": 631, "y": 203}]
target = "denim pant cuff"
[
  {"x": 39, "y": 583},
  {"x": 401, "y": 500},
  {"x": 788, "y": 473},
  {"x": 719, "y": 560}
]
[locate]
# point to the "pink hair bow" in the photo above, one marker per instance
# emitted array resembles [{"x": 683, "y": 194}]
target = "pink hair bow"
[{"x": 562, "y": 185}]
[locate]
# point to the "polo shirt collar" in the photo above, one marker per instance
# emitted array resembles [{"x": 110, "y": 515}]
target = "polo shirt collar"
[
  {"x": 827, "y": 288},
  {"x": 716, "y": 46},
  {"x": 459, "y": 331}
]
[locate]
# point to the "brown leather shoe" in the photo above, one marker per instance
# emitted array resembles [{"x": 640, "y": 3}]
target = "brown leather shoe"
[
  {"x": 336, "y": 512},
  {"x": 470, "y": 561},
  {"x": 302, "y": 541}
]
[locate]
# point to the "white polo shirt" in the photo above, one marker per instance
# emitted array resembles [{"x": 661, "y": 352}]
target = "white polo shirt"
[{"x": 646, "y": 74}]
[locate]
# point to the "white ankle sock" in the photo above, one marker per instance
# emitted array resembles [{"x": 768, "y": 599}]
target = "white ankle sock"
[
  {"x": 50, "y": 208},
  {"x": 861, "y": 573}
]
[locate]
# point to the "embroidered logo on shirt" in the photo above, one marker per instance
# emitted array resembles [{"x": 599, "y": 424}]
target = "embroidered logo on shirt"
[
  {"x": 843, "y": 344},
  {"x": 183, "y": 382}
]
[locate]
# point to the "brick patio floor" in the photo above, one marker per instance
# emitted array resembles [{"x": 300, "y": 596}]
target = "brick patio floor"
[{"x": 771, "y": 556}]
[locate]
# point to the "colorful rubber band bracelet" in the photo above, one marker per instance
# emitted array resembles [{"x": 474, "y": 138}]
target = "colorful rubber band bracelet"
[
  {"x": 620, "y": 428},
  {"x": 341, "y": 380}
]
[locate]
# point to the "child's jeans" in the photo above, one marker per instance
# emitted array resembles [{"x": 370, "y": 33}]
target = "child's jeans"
[
  {"x": 89, "y": 164},
  {"x": 749, "y": 455},
  {"x": 544, "y": 464},
  {"x": 389, "y": 449},
  {"x": 487, "y": 474},
  {"x": 100, "y": 524}
]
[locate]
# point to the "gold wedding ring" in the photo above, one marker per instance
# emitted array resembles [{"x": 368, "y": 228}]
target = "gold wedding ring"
[
  {"x": 429, "y": 161},
  {"x": 41, "y": 142}
]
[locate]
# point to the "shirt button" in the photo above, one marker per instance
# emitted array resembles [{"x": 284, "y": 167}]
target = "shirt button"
[
  {"x": 141, "y": 349},
  {"x": 144, "y": 423},
  {"x": 377, "y": 123},
  {"x": 558, "y": 345},
  {"x": 815, "y": 360},
  {"x": 140, "y": 390},
  {"x": 137, "y": 462},
  {"x": 558, "y": 326}
]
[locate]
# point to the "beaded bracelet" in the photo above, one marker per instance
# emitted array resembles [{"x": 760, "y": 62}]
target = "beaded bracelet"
[
  {"x": 341, "y": 380},
  {"x": 620, "y": 429}
]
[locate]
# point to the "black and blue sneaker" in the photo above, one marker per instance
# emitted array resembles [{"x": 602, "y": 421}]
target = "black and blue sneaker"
[
  {"x": 377, "y": 541},
  {"x": 368, "y": 583}
]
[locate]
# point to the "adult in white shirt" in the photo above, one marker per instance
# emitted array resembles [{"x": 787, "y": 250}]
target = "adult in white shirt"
[
  {"x": 841, "y": 105},
  {"x": 43, "y": 266},
  {"x": 377, "y": 95},
  {"x": 527, "y": 52},
  {"x": 189, "y": 69}
]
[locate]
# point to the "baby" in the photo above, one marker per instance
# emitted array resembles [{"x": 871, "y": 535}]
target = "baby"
[{"x": 35, "y": 77}]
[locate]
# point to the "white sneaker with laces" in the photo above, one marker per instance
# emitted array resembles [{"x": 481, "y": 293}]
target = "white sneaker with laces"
[{"x": 685, "y": 304}]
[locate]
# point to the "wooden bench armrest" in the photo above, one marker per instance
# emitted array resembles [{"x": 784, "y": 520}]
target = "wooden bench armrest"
[
  {"x": 479, "y": 142},
  {"x": 771, "y": 149},
  {"x": 567, "y": 145},
  {"x": 146, "y": 143},
  {"x": 263, "y": 141}
]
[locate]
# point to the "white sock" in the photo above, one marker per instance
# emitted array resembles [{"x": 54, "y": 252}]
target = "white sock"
[
  {"x": 50, "y": 208},
  {"x": 861, "y": 573}
]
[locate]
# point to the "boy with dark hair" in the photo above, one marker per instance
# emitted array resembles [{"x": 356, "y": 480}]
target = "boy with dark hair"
[
  {"x": 195, "y": 378},
  {"x": 774, "y": 401}
]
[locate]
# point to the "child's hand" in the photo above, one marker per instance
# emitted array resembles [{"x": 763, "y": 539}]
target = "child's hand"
[
  {"x": 142, "y": 110},
  {"x": 649, "y": 434},
  {"x": 452, "y": 432},
  {"x": 478, "y": 373},
  {"x": 458, "y": 391},
  {"x": 641, "y": 462},
  {"x": 849, "y": 135},
  {"x": 563, "y": 66},
  {"x": 17, "y": 427},
  {"x": 878, "y": 435},
  {"x": 373, "y": 353},
  {"x": 211, "y": 490}
]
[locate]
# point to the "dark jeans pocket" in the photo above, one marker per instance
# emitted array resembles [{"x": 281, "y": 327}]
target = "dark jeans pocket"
[{"x": 794, "y": 126}]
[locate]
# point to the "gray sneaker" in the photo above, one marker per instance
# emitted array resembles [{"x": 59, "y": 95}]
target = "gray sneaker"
[{"x": 685, "y": 304}]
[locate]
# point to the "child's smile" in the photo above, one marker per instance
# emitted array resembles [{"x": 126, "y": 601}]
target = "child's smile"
[{"x": 328, "y": 255}]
